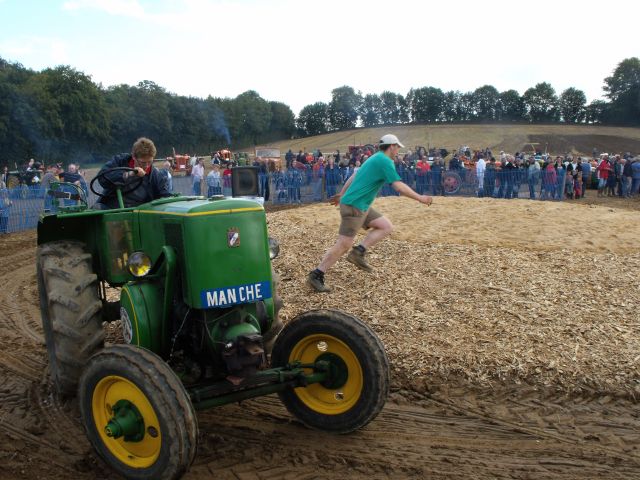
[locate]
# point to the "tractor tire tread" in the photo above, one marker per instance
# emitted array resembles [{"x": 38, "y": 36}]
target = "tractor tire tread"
[
  {"x": 70, "y": 316},
  {"x": 85, "y": 282},
  {"x": 90, "y": 312},
  {"x": 66, "y": 330}
]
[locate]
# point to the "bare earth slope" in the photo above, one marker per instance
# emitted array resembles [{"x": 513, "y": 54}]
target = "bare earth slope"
[{"x": 560, "y": 139}]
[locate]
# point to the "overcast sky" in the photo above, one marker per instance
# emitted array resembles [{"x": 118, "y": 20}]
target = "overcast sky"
[{"x": 298, "y": 51}]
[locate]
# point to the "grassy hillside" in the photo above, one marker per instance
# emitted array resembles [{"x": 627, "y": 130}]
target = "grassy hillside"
[{"x": 511, "y": 138}]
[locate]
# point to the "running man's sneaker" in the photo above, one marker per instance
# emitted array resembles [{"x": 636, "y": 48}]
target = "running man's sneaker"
[
  {"x": 356, "y": 256},
  {"x": 315, "y": 279}
]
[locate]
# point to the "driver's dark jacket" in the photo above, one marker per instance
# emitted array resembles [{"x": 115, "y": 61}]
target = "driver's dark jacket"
[{"x": 154, "y": 184}]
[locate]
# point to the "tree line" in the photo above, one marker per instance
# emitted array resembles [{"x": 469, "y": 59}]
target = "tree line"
[
  {"x": 60, "y": 114},
  {"x": 538, "y": 104}
]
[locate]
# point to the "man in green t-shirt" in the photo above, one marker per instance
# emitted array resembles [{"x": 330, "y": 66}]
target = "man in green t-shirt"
[{"x": 355, "y": 200}]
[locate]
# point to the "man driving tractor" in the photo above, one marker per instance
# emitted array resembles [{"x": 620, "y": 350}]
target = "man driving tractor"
[{"x": 141, "y": 184}]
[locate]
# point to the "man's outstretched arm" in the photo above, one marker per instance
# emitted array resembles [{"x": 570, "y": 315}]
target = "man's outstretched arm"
[{"x": 406, "y": 191}]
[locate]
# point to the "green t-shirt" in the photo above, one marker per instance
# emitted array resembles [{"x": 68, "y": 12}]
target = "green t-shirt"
[{"x": 377, "y": 170}]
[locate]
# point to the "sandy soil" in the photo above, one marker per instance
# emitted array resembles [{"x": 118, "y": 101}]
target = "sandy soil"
[
  {"x": 490, "y": 290},
  {"x": 460, "y": 407}
]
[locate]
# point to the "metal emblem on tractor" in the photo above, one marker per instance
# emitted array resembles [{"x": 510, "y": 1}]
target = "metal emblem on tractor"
[{"x": 233, "y": 237}]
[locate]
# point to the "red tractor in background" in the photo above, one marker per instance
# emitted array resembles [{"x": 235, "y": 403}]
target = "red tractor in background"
[{"x": 180, "y": 164}]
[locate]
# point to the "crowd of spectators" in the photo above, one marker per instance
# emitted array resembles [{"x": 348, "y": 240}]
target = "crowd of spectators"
[
  {"x": 314, "y": 176},
  {"x": 481, "y": 173},
  {"x": 31, "y": 182}
]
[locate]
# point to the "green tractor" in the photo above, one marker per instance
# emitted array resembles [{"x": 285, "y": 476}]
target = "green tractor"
[{"x": 199, "y": 309}]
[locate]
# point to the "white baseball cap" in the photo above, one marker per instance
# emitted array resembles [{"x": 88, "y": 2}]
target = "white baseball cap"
[{"x": 389, "y": 139}]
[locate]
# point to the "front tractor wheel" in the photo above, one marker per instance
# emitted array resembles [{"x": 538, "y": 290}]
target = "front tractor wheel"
[
  {"x": 137, "y": 414},
  {"x": 358, "y": 385}
]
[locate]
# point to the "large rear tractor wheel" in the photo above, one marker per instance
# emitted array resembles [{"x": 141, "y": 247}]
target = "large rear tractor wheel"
[
  {"x": 359, "y": 384},
  {"x": 70, "y": 307},
  {"x": 137, "y": 414}
]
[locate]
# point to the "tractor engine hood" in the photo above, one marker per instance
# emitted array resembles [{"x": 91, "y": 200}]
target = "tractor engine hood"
[{"x": 222, "y": 248}]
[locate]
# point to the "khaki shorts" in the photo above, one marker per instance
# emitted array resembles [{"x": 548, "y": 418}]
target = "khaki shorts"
[{"x": 353, "y": 219}]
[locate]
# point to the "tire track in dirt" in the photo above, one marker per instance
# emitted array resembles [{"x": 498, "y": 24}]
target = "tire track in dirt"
[
  {"x": 29, "y": 413},
  {"x": 404, "y": 440},
  {"x": 531, "y": 421}
]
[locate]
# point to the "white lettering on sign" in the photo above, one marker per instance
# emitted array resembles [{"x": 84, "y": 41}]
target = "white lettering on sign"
[
  {"x": 212, "y": 299},
  {"x": 223, "y": 297}
]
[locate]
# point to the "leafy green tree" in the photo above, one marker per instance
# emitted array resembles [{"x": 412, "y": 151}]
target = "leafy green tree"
[
  {"x": 370, "y": 110},
  {"x": 486, "y": 103},
  {"x": 623, "y": 89},
  {"x": 344, "y": 108},
  {"x": 249, "y": 117},
  {"x": 283, "y": 123},
  {"x": 572, "y": 105},
  {"x": 465, "y": 107},
  {"x": 511, "y": 106},
  {"x": 450, "y": 106},
  {"x": 218, "y": 135},
  {"x": 389, "y": 108},
  {"x": 403, "y": 109},
  {"x": 188, "y": 118},
  {"x": 596, "y": 111},
  {"x": 541, "y": 103},
  {"x": 123, "y": 121},
  {"x": 19, "y": 121},
  {"x": 426, "y": 104},
  {"x": 313, "y": 119}
]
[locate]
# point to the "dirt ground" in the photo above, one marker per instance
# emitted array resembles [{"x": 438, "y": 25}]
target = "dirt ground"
[{"x": 511, "y": 327}]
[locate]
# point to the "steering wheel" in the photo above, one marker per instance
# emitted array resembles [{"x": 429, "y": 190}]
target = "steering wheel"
[{"x": 118, "y": 184}]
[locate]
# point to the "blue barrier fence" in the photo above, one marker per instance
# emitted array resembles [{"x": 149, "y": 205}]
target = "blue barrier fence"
[
  {"x": 21, "y": 207},
  {"x": 306, "y": 186}
]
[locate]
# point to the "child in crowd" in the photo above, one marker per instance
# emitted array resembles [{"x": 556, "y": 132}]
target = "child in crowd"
[
  {"x": 577, "y": 187},
  {"x": 213, "y": 181},
  {"x": 568, "y": 183}
]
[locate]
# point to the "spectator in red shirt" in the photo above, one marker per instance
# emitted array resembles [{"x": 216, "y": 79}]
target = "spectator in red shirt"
[
  {"x": 603, "y": 175},
  {"x": 422, "y": 170}
]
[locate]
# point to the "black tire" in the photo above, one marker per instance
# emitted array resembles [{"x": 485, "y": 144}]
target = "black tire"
[
  {"x": 354, "y": 342},
  {"x": 172, "y": 448},
  {"x": 451, "y": 183},
  {"x": 70, "y": 307},
  {"x": 276, "y": 325}
]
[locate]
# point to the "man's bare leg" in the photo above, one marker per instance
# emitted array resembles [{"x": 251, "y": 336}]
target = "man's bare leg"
[
  {"x": 381, "y": 227},
  {"x": 316, "y": 278},
  {"x": 342, "y": 246}
]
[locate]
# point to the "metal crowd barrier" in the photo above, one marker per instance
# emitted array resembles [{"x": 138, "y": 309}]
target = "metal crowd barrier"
[{"x": 21, "y": 207}]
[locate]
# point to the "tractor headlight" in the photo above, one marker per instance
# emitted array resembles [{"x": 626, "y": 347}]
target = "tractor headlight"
[
  {"x": 139, "y": 264},
  {"x": 274, "y": 248}
]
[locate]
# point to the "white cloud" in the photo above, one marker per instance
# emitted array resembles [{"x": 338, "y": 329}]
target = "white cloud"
[
  {"x": 36, "y": 51},
  {"x": 127, "y": 8},
  {"x": 297, "y": 51}
]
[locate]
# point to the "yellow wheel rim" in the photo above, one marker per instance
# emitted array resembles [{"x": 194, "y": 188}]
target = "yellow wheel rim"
[
  {"x": 317, "y": 397},
  {"x": 107, "y": 393}
]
